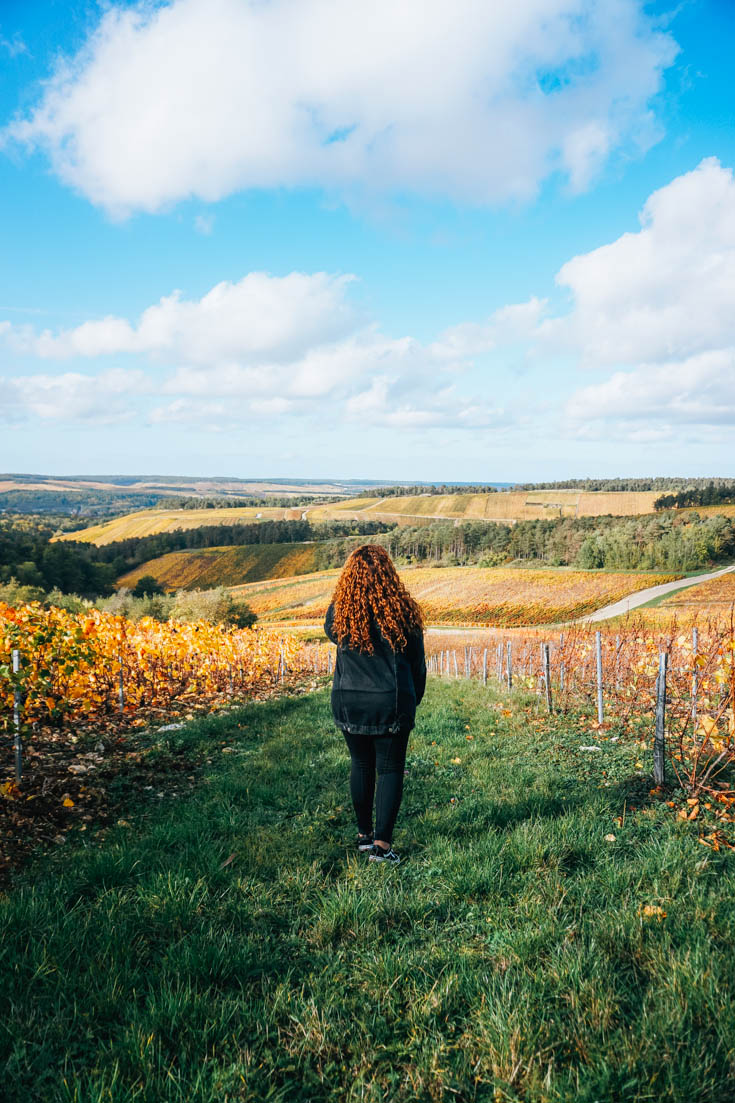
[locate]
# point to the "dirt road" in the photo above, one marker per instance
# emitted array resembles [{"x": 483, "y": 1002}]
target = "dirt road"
[{"x": 643, "y": 596}]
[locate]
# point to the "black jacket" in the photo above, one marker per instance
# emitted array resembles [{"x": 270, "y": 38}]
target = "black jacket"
[{"x": 377, "y": 693}]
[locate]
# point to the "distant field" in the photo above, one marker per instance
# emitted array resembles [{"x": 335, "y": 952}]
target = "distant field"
[
  {"x": 502, "y": 596},
  {"x": 513, "y": 505},
  {"x": 208, "y": 567},
  {"x": 149, "y": 522},
  {"x": 506, "y": 506}
]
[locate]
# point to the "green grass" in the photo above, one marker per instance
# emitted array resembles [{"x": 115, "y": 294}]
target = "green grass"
[{"x": 506, "y": 959}]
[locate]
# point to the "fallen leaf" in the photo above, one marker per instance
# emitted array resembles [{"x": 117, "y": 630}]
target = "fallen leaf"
[
  {"x": 653, "y": 911},
  {"x": 67, "y": 802},
  {"x": 610, "y": 838}
]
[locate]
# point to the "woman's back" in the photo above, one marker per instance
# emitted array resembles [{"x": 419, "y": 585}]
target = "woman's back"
[
  {"x": 376, "y": 691},
  {"x": 379, "y": 679}
]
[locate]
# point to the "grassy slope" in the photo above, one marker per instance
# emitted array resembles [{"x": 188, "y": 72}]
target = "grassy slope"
[
  {"x": 230, "y": 945},
  {"x": 226, "y": 566}
]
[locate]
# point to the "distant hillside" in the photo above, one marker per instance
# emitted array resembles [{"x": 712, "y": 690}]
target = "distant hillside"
[
  {"x": 511, "y": 505},
  {"x": 504, "y": 506},
  {"x": 104, "y": 496},
  {"x": 149, "y": 522},
  {"x": 227, "y": 566}
]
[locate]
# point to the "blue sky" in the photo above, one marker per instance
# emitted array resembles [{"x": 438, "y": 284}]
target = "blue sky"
[{"x": 413, "y": 240}]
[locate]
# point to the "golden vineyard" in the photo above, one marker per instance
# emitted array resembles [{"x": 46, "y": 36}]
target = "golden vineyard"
[
  {"x": 89, "y": 665},
  {"x": 83, "y": 668}
]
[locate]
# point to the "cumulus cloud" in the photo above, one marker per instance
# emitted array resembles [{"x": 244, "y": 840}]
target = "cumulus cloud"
[
  {"x": 650, "y": 319},
  {"x": 517, "y": 322},
  {"x": 387, "y": 402},
  {"x": 260, "y": 314},
  {"x": 474, "y": 100},
  {"x": 666, "y": 291},
  {"x": 699, "y": 390},
  {"x": 657, "y": 305},
  {"x": 265, "y": 347},
  {"x": 104, "y": 398}
]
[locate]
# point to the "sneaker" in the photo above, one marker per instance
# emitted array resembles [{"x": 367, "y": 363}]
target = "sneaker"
[
  {"x": 377, "y": 854},
  {"x": 365, "y": 842}
]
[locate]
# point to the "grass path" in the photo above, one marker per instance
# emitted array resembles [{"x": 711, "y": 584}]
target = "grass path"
[{"x": 231, "y": 946}]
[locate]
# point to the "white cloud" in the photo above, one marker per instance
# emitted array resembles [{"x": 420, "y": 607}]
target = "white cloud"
[
  {"x": 515, "y": 323},
  {"x": 260, "y": 314},
  {"x": 650, "y": 318},
  {"x": 665, "y": 292},
  {"x": 658, "y": 306},
  {"x": 388, "y": 402},
  {"x": 470, "y": 99},
  {"x": 698, "y": 390},
  {"x": 261, "y": 349},
  {"x": 73, "y": 396}
]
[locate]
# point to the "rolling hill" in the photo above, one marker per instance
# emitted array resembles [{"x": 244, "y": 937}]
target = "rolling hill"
[
  {"x": 504, "y": 506},
  {"x": 507, "y": 506},
  {"x": 502, "y": 596},
  {"x": 204, "y": 568}
]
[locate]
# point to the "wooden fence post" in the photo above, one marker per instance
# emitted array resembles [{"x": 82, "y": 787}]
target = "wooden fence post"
[
  {"x": 121, "y": 687},
  {"x": 509, "y": 652},
  {"x": 500, "y": 662},
  {"x": 17, "y": 704},
  {"x": 547, "y": 676},
  {"x": 659, "y": 742},
  {"x": 456, "y": 670},
  {"x": 484, "y": 667},
  {"x": 695, "y": 674},
  {"x": 600, "y": 708}
]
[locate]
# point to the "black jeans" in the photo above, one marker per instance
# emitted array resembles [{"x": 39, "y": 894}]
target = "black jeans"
[{"x": 387, "y": 754}]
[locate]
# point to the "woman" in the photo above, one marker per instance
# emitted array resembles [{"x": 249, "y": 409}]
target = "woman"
[{"x": 379, "y": 679}]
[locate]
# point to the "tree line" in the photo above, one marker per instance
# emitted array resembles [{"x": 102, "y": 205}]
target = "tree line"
[
  {"x": 433, "y": 488},
  {"x": 292, "y": 502},
  {"x": 613, "y": 543},
  {"x": 659, "y": 482},
  {"x": 713, "y": 494}
]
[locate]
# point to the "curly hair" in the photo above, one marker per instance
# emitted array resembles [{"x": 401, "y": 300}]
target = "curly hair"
[{"x": 368, "y": 592}]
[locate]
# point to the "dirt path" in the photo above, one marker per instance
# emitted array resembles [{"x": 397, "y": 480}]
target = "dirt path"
[{"x": 643, "y": 596}]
